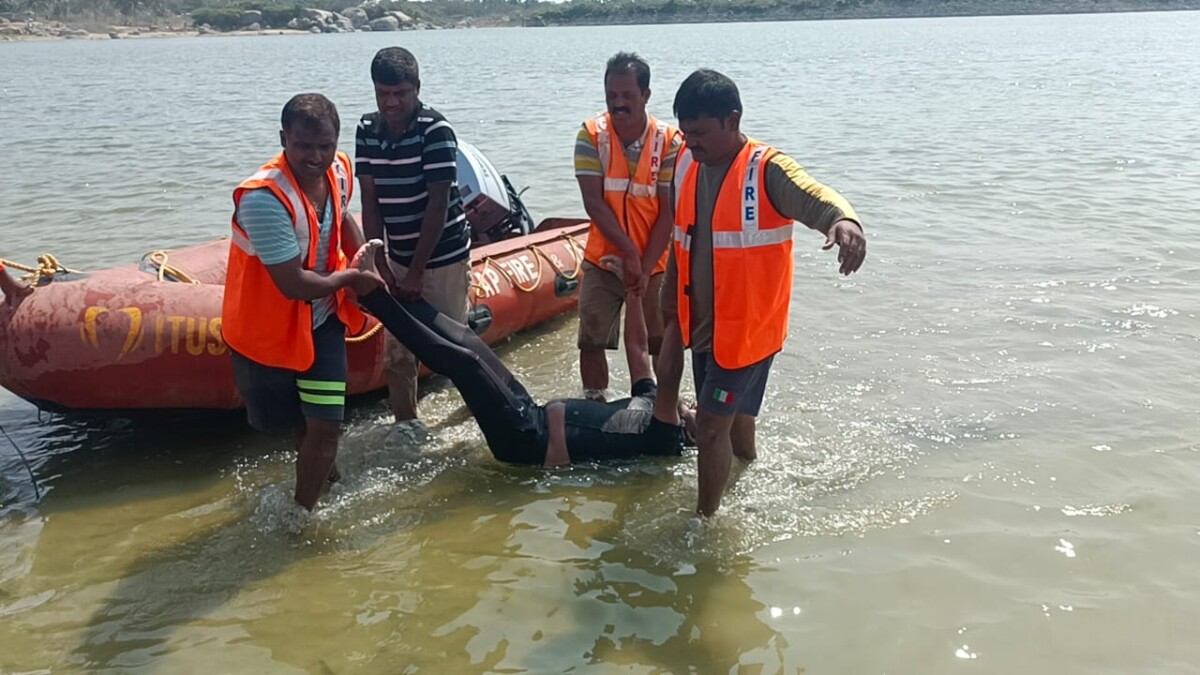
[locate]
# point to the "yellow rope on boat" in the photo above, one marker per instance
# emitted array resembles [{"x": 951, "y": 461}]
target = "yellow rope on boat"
[
  {"x": 505, "y": 273},
  {"x": 165, "y": 270},
  {"x": 574, "y": 274},
  {"x": 365, "y": 336},
  {"x": 576, "y": 247},
  {"x": 573, "y": 246},
  {"x": 47, "y": 267},
  {"x": 576, "y": 255}
]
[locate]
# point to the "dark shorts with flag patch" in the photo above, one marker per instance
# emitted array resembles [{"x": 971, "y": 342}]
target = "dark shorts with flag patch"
[
  {"x": 730, "y": 392},
  {"x": 278, "y": 400}
]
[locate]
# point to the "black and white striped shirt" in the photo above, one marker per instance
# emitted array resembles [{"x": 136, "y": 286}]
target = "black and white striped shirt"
[{"x": 402, "y": 167}]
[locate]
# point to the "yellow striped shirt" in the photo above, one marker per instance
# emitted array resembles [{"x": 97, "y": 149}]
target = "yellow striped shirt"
[{"x": 587, "y": 158}]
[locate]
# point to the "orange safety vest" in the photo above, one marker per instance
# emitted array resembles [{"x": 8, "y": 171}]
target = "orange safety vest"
[
  {"x": 257, "y": 320},
  {"x": 634, "y": 200},
  {"x": 752, "y": 262}
]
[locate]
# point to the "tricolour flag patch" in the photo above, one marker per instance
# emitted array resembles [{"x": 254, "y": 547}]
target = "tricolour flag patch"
[{"x": 723, "y": 397}]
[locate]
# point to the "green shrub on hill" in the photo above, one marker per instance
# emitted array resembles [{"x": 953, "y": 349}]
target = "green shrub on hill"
[
  {"x": 277, "y": 16},
  {"x": 220, "y": 18}
]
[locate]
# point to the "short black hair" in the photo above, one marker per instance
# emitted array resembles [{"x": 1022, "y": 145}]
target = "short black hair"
[
  {"x": 395, "y": 65},
  {"x": 628, "y": 62},
  {"x": 310, "y": 110},
  {"x": 706, "y": 93}
]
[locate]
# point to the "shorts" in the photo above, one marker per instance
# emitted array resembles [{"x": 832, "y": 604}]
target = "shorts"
[
  {"x": 730, "y": 392},
  {"x": 601, "y": 296},
  {"x": 278, "y": 400}
]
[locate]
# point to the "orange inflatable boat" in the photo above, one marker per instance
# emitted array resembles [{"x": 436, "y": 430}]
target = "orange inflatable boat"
[{"x": 148, "y": 335}]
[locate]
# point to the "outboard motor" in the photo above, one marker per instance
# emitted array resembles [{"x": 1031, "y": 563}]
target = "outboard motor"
[{"x": 494, "y": 209}]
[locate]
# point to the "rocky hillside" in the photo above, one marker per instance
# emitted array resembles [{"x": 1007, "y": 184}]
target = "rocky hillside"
[{"x": 349, "y": 20}]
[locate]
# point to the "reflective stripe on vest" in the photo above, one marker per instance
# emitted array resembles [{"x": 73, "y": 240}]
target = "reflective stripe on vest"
[
  {"x": 243, "y": 242},
  {"x": 633, "y": 199},
  {"x": 603, "y": 144},
  {"x": 295, "y": 205},
  {"x": 750, "y": 190},
  {"x": 750, "y": 235},
  {"x": 655, "y": 146},
  {"x": 738, "y": 239},
  {"x": 683, "y": 162},
  {"x": 295, "y": 202},
  {"x": 683, "y": 238}
]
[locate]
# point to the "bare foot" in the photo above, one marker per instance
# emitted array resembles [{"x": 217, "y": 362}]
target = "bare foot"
[{"x": 364, "y": 258}]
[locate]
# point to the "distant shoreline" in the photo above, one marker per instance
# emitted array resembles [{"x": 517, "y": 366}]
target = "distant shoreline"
[
  {"x": 872, "y": 17},
  {"x": 129, "y": 34},
  {"x": 644, "y": 12},
  {"x": 653, "y": 12}
]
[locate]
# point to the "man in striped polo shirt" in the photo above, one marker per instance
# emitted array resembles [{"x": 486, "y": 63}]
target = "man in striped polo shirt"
[{"x": 405, "y": 157}]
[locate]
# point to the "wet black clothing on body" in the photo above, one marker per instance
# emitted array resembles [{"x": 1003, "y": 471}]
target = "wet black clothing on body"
[{"x": 513, "y": 425}]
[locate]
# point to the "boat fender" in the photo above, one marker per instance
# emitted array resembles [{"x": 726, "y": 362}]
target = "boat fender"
[
  {"x": 480, "y": 319},
  {"x": 564, "y": 286}
]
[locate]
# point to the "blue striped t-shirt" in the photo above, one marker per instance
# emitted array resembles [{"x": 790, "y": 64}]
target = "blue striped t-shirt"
[
  {"x": 267, "y": 223},
  {"x": 402, "y": 165}
]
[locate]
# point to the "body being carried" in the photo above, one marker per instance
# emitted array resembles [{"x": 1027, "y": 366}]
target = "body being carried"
[{"x": 516, "y": 429}]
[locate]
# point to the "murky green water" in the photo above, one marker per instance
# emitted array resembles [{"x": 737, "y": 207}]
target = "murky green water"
[{"x": 978, "y": 455}]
